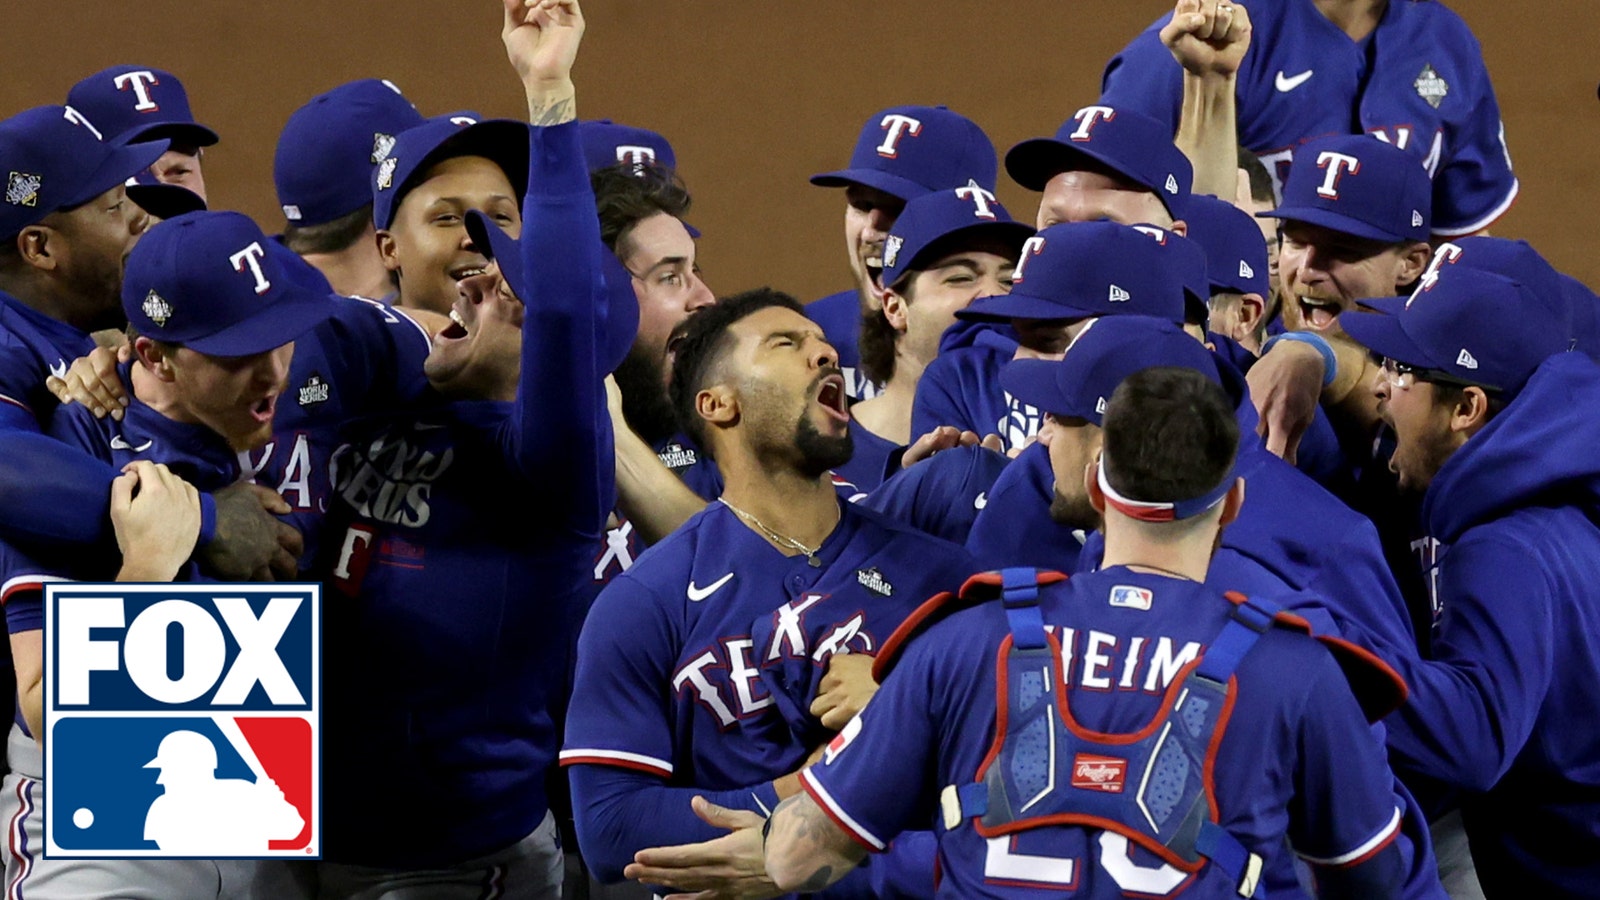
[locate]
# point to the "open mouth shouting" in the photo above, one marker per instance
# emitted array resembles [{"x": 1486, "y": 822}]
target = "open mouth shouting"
[
  {"x": 263, "y": 410},
  {"x": 1319, "y": 314},
  {"x": 832, "y": 398}
]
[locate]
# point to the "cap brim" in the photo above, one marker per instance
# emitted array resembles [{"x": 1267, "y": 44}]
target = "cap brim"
[
  {"x": 904, "y": 188},
  {"x": 1005, "y": 307},
  {"x": 1034, "y": 162},
  {"x": 1014, "y": 233},
  {"x": 620, "y": 322},
  {"x": 500, "y": 248},
  {"x": 1315, "y": 215},
  {"x": 179, "y": 133},
  {"x": 273, "y": 326},
  {"x": 1388, "y": 305},
  {"x": 1382, "y": 334},
  {"x": 165, "y": 201},
  {"x": 124, "y": 162}
]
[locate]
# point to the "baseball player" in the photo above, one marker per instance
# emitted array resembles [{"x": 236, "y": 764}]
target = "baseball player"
[
  {"x": 1480, "y": 393},
  {"x": 215, "y": 322},
  {"x": 945, "y": 250},
  {"x": 66, "y": 225},
  {"x": 670, "y": 699},
  {"x": 200, "y": 814},
  {"x": 1047, "y": 722},
  {"x": 902, "y": 153},
  {"x": 453, "y": 700},
  {"x": 322, "y": 170},
  {"x": 139, "y": 104},
  {"x": 1410, "y": 74}
]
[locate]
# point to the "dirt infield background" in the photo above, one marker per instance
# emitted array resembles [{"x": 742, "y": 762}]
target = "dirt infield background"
[{"x": 755, "y": 96}]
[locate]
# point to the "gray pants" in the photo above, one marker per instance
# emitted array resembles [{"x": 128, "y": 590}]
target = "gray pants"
[
  {"x": 1456, "y": 868},
  {"x": 530, "y": 869},
  {"x": 28, "y": 874}
]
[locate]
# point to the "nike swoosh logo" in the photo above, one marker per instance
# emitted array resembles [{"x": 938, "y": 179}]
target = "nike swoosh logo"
[
  {"x": 696, "y": 594},
  {"x": 117, "y": 443},
  {"x": 59, "y": 370},
  {"x": 981, "y": 501},
  {"x": 1285, "y": 85}
]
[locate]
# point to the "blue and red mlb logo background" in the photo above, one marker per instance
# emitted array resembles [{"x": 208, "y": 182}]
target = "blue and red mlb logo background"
[{"x": 182, "y": 720}]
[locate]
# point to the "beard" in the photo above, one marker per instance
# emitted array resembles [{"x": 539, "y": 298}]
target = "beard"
[
  {"x": 819, "y": 453},
  {"x": 645, "y": 405},
  {"x": 1074, "y": 512}
]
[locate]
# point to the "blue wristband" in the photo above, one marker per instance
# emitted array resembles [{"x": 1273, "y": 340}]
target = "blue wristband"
[{"x": 1330, "y": 363}]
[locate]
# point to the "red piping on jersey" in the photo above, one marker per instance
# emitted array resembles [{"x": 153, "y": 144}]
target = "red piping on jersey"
[{"x": 615, "y": 763}]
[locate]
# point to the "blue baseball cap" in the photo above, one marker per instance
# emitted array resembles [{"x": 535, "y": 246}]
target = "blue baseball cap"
[
  {"x": 1079, "y": 270},
  {"x": 326, "y": 152},
  {"x": 1357, "y": 184},
  {"x": 1187, "y": 260},
  {"x": 1129, "y": 143},
  {"x": 619, "y": 317},
  {"x": 933, "y": 220},
  {"x": 909, "y": 151},
  {"x": 605, "y": 143},
  {"x": 1516, "y": 260},
  {"x": 206, "y": 280},
  {"x": 1584, "y": 307},
  {"x": 1469, "y": 324},
  {"x": 51, "y": 160},
  {"x": 1236, "y": 253},
  {"x": 1105, "y": 353},
  {"x": 502, "y": 141},
  {"x": 137, "y": 104}
]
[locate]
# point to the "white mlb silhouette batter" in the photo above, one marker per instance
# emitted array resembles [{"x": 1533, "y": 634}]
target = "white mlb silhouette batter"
[{"x": 202, "y": 815}]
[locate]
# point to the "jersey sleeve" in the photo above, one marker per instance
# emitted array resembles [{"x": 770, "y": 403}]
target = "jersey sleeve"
[
  {"x": 1344, "y": 809},
  {"x": 1475, "y": 184},
  {"x": 939, "y": 401},
  {"x": 52, "y": 493},
  {"x": 560, "y": 423},
  {"x": 1145, "y": 77},
  {"x": 1474, "y": 704},
  {"x": 621, "y": 708},
  {"x": 942, "y": 495},
  {"x": 22, "y": 581},
  {"x": 377, "y": 353},
  {"x": 869, "y": 799}
]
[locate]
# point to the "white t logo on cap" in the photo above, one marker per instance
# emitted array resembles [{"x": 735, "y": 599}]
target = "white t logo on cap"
[
  {"x": 1336, "y": 165},
  {"x": 980, "y": 198},
  {"x": 76, "y": 118},
  {"x": 140, "y": 81},
  {"x": 898, "y": 126},
  {"x": 1446, "y": 255},
  {"x": 251, "y": 256},
  {"x": 630, "y": 153},
  {"x": 1031, "y": 247},
  {"x": 1087, "y": 118}
]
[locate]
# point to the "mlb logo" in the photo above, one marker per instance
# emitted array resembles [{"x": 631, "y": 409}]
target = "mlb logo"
[
  {"x": 182, "y": 720},
  {"x": 1130, "y": 596}
]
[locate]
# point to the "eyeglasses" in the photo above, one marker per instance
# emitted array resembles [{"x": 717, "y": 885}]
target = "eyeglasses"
[{"x": 1403, "y": 376}]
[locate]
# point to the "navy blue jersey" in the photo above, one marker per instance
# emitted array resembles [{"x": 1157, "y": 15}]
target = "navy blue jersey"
[
  {"x": 1418, "y": 82},
  {"x": 33, "y": 347},
  {"x": 1504, "y": 709},
  {"x": 1295, "y": 759},
  {"x": 1014, "y": 527},
  {"x": 457, "y": 551},
  {"x": 670, "y": 677},
  {"x": 366, "y": 358},
  {"x": 943, "y": 494},
  {"x": 961, "y": 387},
  {"x": 840, "y": 317},
  {"x": 621, "y": 545},
  {"x": 869, "y": 464}
]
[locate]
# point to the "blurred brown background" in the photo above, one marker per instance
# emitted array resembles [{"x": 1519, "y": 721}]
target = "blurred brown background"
[{"x": 754, "y": 96}]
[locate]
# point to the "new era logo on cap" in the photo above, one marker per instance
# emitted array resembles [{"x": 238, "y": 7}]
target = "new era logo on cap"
[
  {"x": 1172, "y": 184},
  {"x": 1118, "y": 295},
  {"x": 1416, "y": 219},
  {"x": 1466, "y": 360},
  {"x": 1100, "y": 406},
  {"x": 1245, "y": 271}
]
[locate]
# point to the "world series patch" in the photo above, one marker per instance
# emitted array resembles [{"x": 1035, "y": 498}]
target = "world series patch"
[{"x": 182, "y": 720}]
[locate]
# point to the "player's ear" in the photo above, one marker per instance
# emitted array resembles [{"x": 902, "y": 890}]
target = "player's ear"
[
  {"x": 1251, "y": 308},
  {"x": 717, "y": 405},
  {"x": 36, "y": 246},
  {"x": 1470, "y": 413},
  {"x": 1232, "y": 503},
  {"x": 1414, "y": 259},
  {"x": 1091, "y": 483},
  {"x": 1179, "y": 228},
  {"x": 895, "y": 310},
  {"x": 386, "y": 250},
  {"x": 154, "y": 356}
]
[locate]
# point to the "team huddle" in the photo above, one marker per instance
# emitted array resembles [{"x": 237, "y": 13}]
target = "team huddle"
[{"x": 1231, "y": 530}]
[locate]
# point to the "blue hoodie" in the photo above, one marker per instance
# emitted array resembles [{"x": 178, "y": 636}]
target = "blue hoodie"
[{"x": 1507, "y": 710}]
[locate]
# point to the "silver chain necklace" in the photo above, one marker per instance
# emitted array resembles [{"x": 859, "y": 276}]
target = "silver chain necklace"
[{"x": 781, "y": 540}]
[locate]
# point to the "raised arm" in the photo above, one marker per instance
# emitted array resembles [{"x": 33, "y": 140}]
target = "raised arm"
[{"x": 1208, "y": 38}]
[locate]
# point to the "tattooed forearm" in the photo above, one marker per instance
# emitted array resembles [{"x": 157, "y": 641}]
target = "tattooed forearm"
[
  {"x": 552, "y": 110},
  {"x": 805, "y": 850}
]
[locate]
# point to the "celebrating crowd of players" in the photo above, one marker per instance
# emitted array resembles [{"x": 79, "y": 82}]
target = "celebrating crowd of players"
[{"x": 1195, "y": 551}]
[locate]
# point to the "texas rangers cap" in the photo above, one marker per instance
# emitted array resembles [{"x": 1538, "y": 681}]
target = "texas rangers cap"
[
  {"x": 207, "y": 281},
  {"x": 909, "y": 151},
  {"x": 1516, "y": 260},
  {"x": 503, "y": 141},
  {"x": 52, "y": 160},
  {"x": 1105, "y": 352},
  {"x": 1236, "y": 253},
  {"x": 162, "y": 200},
  {"x": 619, "y": 315},
  {"x": 1078, "y": 270},
  {"x": 605, "y": 143},
  {"x": 1469, "y": 325},
  {"x": 933, "y": 221},
  {"x": 1356, "y": 184},
  {"x": 138, "y": 103},
  {"x": 1186, "y": 259},
  {"x": 326, "y": 152},
  {"x": 1129, "y": 143}
]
